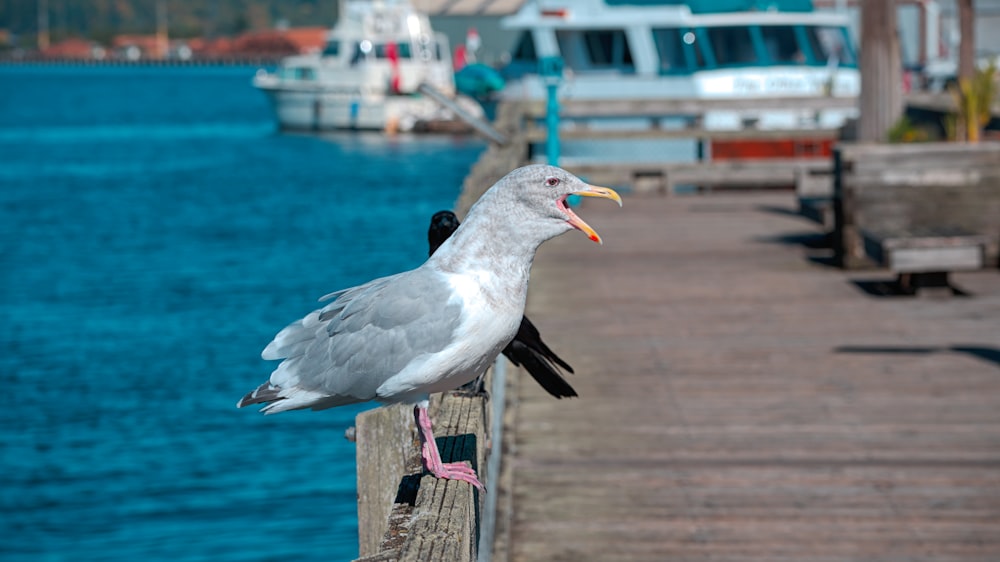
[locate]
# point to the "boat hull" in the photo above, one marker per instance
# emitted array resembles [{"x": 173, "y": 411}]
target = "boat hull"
[{"x": 318, "y": 110}]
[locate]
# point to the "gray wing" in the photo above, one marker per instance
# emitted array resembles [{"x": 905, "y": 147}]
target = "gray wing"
[{"x": 343, "y": 352}]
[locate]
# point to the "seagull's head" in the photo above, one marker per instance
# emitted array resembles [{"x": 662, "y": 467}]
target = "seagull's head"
[{"x": 543, "y": 191}]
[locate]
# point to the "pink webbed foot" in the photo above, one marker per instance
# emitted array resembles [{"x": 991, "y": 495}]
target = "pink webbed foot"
[{"x": 432, "y": 457}]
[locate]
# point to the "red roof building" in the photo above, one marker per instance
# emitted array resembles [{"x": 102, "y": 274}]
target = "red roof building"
[
  {"x": 72, "y": 48},
  {"x": 145, "y": 43},
  {"x": 280, "y": 42}
]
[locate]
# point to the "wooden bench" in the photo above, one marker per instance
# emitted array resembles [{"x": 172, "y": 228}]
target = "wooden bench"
[
  {"x": 814, "y": 191},
  {"x": 922, "y": 258},
  {"x": 912, "y": 196}
]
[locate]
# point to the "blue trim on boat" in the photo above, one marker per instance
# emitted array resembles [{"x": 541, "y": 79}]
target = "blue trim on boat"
[{"x": 721, "y": 6}]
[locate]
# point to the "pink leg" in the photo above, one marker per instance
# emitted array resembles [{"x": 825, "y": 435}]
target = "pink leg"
[{"x": 432, "y": 457}]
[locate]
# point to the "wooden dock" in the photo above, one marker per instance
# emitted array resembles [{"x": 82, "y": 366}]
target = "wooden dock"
[{"x": 742, "y": 400}]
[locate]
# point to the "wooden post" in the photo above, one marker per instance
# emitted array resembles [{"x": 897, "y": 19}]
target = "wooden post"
[
  {"x": 409, "y": 516},
  {"x": 881, "y": 100},
  {"x": 967, "y": 41},
  {"x": 387, "y": 451}
]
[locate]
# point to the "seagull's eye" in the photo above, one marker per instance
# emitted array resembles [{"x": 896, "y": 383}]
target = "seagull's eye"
[{"x": 552, "y": 182}]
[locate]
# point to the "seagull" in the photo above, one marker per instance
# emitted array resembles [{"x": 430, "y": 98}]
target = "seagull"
[
  {"x": 527, "y": 347},
  {"x": 397, "y": 339}
]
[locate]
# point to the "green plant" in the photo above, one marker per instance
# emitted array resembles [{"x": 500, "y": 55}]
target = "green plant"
[
  {"x": 905, "y": 130},
  {"x": 974, "y": 98}
]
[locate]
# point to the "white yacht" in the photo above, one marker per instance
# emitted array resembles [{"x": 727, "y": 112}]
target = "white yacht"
[
  {"x": 369, "y": 75},
  {"x": 620, "y": 49}
]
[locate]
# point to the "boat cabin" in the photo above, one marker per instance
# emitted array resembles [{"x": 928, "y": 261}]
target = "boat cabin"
[
  {"x": 425, "y": 47},
  {"x": 653, "y": 38},
  {"x": 693, "y": 49},
  {"x": 379, "y": 38}
]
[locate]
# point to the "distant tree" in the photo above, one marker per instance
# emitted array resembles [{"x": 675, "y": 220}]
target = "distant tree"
[
  {"x": 240, "y": 23},
  {"x": 85, "y": 18},
  {"x": 186, "y": 31},
  {"x": 102, "y": 35}
]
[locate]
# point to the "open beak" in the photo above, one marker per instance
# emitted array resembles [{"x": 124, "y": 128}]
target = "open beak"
[{"x": 577, "y": 222}]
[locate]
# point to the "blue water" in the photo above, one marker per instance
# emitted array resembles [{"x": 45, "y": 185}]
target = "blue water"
[{"x": 155, "y": 232}]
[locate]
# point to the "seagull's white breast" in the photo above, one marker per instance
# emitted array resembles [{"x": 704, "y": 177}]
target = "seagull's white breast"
[
  {"x": 485, "y": 327},
  {"x": 485, "y": 317}
]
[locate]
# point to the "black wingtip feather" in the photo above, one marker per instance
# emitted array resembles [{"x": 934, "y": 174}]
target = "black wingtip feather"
[
  {"x": 540, "y": 369},
  {"x": 261, "y": 395},
  {"x": 528, "y": 335}
]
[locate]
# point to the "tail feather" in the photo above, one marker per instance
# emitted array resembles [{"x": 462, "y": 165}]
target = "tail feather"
[
  {"x": 547, "y": 353},
  {"x": 264, "y": 393},
  {"x": 277, "y": 399},
  {"x": 540, "y": 369},
  {"x": 528, "y": 335}
]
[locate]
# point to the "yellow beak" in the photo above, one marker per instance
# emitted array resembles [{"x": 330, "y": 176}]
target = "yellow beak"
[{"x": 591, "y": 191}]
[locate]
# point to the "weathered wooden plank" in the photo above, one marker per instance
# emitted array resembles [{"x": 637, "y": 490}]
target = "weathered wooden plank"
[
  {"x": 898, "y": 157},
  {"x": 919, "y": 250},
  {"x": 386, "y": 452},
  {"x": 403, "y": 515},
  {"x": 918, "y": 260},
  {"x": 862, "y": 150},
  {"x": 923, "y": 237},
  {"x": 930, "y": 175},
  {"x": 445, "y": 519}
]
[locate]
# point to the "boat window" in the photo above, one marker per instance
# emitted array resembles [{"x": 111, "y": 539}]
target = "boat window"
[
  {"x": 732, "y": 45},
  {"x": 361, "y": 50},
  {"x": 670, "y": 48},
  {"x": 594, "y": 49},
  {"x": 608, "y": 48},
  {"x": 781, "y": 44},
  {"x": 525, "y": 49},
  {"x": 332, "y": 49},
  {"x": 403, "y": 50},
  {"x": 298, "y": 73},
  {"x": 829, "y": 45},
  {"x": 690, "y": 39},
  {"x": 523, "y": 58}
]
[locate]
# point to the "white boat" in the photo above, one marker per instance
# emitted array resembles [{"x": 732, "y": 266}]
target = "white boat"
[
  {"x": 710, "y": 49},
  {"x": 369, "y": 74}
]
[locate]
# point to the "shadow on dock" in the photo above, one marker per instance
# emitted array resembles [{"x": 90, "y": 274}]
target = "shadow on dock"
[{"x": 988, "y": 354}]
